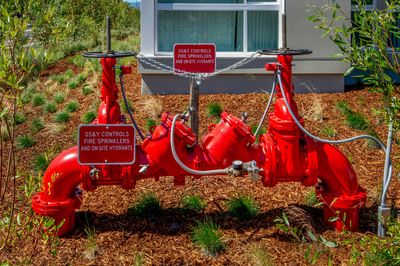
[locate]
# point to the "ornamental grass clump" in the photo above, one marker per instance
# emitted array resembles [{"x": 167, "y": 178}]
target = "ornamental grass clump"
[{"x": 207, "y": 235}]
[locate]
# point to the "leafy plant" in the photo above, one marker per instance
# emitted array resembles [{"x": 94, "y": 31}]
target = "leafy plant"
[
  {"x": 81, "y": 78},
  {"x": 37, "y": 125},
  {"x": 214, "y": 110},
  {"x": 147, "y": 205},
  {"x": 207, "y": 235},
  {"x": 243, "y": 207},
  {"x": 25, "y": 141},
  {"x": 72, "y": 106},
  {"x": 50, "y": 107},
  {"x": 194, "y": 203},
  {"x": 329, "y": 131},
  {"x": 88, "y": 117},
  {"x": 61, "y": 117},
  {"x": 150, "y": 123},
  {"x": 86, "y": 90},
  {"x": 20, "y": 118},
  {"x": 91, "y": 243},
  {"x": 59, "y": 97},
  {"x": 73, "y": 83},
  {"x": 357, "y": 121},
  {"x": 38, "y": 100},
  {"x": 41, "y": 162},
  {"x": 311, "y": 199},
  {"x": 69, "y": 73},
  {"x": 60, "y": 79}
]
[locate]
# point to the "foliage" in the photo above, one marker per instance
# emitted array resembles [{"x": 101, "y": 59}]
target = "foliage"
[
  {"x": 147, "y": 205},
  {"x": 73, "y": 83},
  {"x": 61, "y": 117},
  {"x": 59, "y": 97},
  {"x": 88, "y": 117},
  {"x": 329, "y": 131},
  {"x": 214, "y": 110},
  {"x": 367, "y": 46},
  {"x": 72, "y": 106},
  {"x": 243, "y": 207},
  {"x": 259, "y": 256},
  {"x": 37, "y": 125},
  {"x": 50, "y": 107},
  {"x": 25, "y": 141},
  {"x": 207, "y": 235},
  {"x": 20, "y": 118},
  {"x": 311, "y": 199},
  {"x": 193, "y": 203},
  {"x": 150, "y": 123},
  {"x": 38, "y": 100},
  {"x": 86, "y": 90},
  {"x": 124, "y": 108}
]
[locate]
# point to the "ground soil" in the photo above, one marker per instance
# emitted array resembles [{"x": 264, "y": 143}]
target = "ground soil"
[{"x": 165, "y": 239}]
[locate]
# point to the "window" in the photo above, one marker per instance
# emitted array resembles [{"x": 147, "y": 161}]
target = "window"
[{"x": 233, "y": 25}]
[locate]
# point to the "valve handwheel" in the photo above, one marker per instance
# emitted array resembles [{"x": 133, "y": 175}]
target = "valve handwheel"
[
  {"x": 110, "y": 54},
  {"x": 285, "y": 51}
]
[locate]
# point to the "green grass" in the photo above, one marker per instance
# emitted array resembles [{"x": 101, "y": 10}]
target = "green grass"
[
  {"x": 147, "y": 205},
  {"x": 3, "y": 133},
  {"x": 26, "y": 97},
  {"x": 261, "y": 132},
  {"x": 207, "y": 235},
  {"x": 357, "y": 121},
  {"x": 214, "y": 110},
  {"x": 73, "y": 84},
  {"x": 329, "y": 131},
  {"x": 25, "y": 141},
  {"x": 81, "y": 78},
  {"x": 78, "y": 60},
  {"x": 38, "y": 100},
  {"x": 123, "y": 106},
  {"x": 243, "y": 207},
  {"x": 150, "y": 123},
  {"x": 311, "y": 198},
  {"x": 72, "y": 106},
  {"x": 60, "y": 79},
  {"x": 41, "y": 162},
  {"x": 87, "y": 90},
  {"x": 343, "y": 107},
  {"x": 61, "y": 117},
  {"x": 20, "y": 118},
  {"x": 193, "y": 203},
  {"x": 88, "y": 117},
  {"x": 37, "y": 125},
  {"x": 69, "y": 73},
  {"x": 59, "y": 97},
  {"x": 50, "y": 107}
]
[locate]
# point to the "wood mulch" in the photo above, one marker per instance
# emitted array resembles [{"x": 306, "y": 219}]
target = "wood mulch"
[{"x": 165, "y": 239}]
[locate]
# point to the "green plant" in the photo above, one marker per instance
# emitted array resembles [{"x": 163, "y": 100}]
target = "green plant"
[
  {"x": 38, "y": 100},
  {"x": 214, "y": 110},
  {"x": 25, "y": 141},
  {"x": 78, "y": 60},
  {"x": 88, "y": 117},
  {"x": 207, "y": 235},
  {"x": 37, "y": 125},
  {"x": 81, "y": 78},
  {"x": 329, "y": 131},
  {"x": 123, "y": 106},
  {"x": 86, "y": 90},
  {"x": 150, "y": 123},
  {"x": 147, "y": 205},
  {"x": 61, "y": 117},
  {"x": 19, "y": 118},
  {"x": 59, "y": 97},
  {"x": 311, "y": 199},
  {"x": 73, "y": 83},
  {"x": 91, "y": 243},
  {"x": 50, "y": 107},
  {"x": 69, "y": 73},
  {"x": 259, "y": 256},
  {"x": 243, "y": 207},
  {"x": 194, "y": 203},
  {"x": 261, "y": 132},
  {"x": 41, "y": 162},
  {"x": 357, "y": 121},
  {"x": 60, "y": 79},
  {"x": 72, "y": 106}
]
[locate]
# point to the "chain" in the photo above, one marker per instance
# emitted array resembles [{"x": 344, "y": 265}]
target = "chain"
[{"x": 197, "y": 76}]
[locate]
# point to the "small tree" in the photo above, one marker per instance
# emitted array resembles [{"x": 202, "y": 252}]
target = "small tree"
[{"x": 365, "y": 41}]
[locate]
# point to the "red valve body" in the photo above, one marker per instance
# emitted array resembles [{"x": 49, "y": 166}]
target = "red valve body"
[{"x": 285, "y": 154}]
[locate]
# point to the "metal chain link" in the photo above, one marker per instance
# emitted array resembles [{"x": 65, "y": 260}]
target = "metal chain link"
[{"x": 197, "y": 76}]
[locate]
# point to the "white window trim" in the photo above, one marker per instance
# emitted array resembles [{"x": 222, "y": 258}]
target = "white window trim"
[{"x": 245, "y": 7}]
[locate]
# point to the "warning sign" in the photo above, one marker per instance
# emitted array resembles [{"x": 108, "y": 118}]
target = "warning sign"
[
  {"x": 106, "y": 144},
  {"x": 194, "y": 58}
]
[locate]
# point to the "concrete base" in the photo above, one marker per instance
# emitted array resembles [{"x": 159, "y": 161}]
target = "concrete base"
[{"x": 240, "y": 83}]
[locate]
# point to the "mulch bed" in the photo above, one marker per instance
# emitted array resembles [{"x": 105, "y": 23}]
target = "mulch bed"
[{"x": 165, "y": 239}]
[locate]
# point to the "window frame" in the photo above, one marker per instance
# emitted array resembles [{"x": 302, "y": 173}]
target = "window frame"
[{"x": 244, "y": 7}]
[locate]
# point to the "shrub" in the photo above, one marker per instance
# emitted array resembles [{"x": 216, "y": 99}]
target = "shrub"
[
  {"x": 243, "y": 207},
  {"x": 59, "y": 97},
  {"x": 37, "y": 125},
  {"x": 25, "y": 141},
  {"x": 208, "y": 237},
  {"x": 38, "y": 100},
  {"x": 50, "y": 107},
  {"x": 72, "y": 84},
  {"x": 148, "y": 205},
  {"x": 88, "y": 117},
  {"x": 214, "y": 110},
  {"x": 194, "y": 203},
  {"x": 20, "y": 118},
  {"x": 72, "y": 106},
  {"x": 150, "y": 123},
  {"x": 86, "y": 90},
  {"x": 61, "y": 117}
]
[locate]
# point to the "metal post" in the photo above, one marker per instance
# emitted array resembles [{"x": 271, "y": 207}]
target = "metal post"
[
  {"x": 194, "y": 106},
  {"x": 108, "y": 33},
  {"x": 284, "y": 29},
  {"x": 383, "y": 210}
]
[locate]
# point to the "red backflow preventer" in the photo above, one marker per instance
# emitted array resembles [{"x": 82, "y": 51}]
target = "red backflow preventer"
[{"x": 284, "y": 154}]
